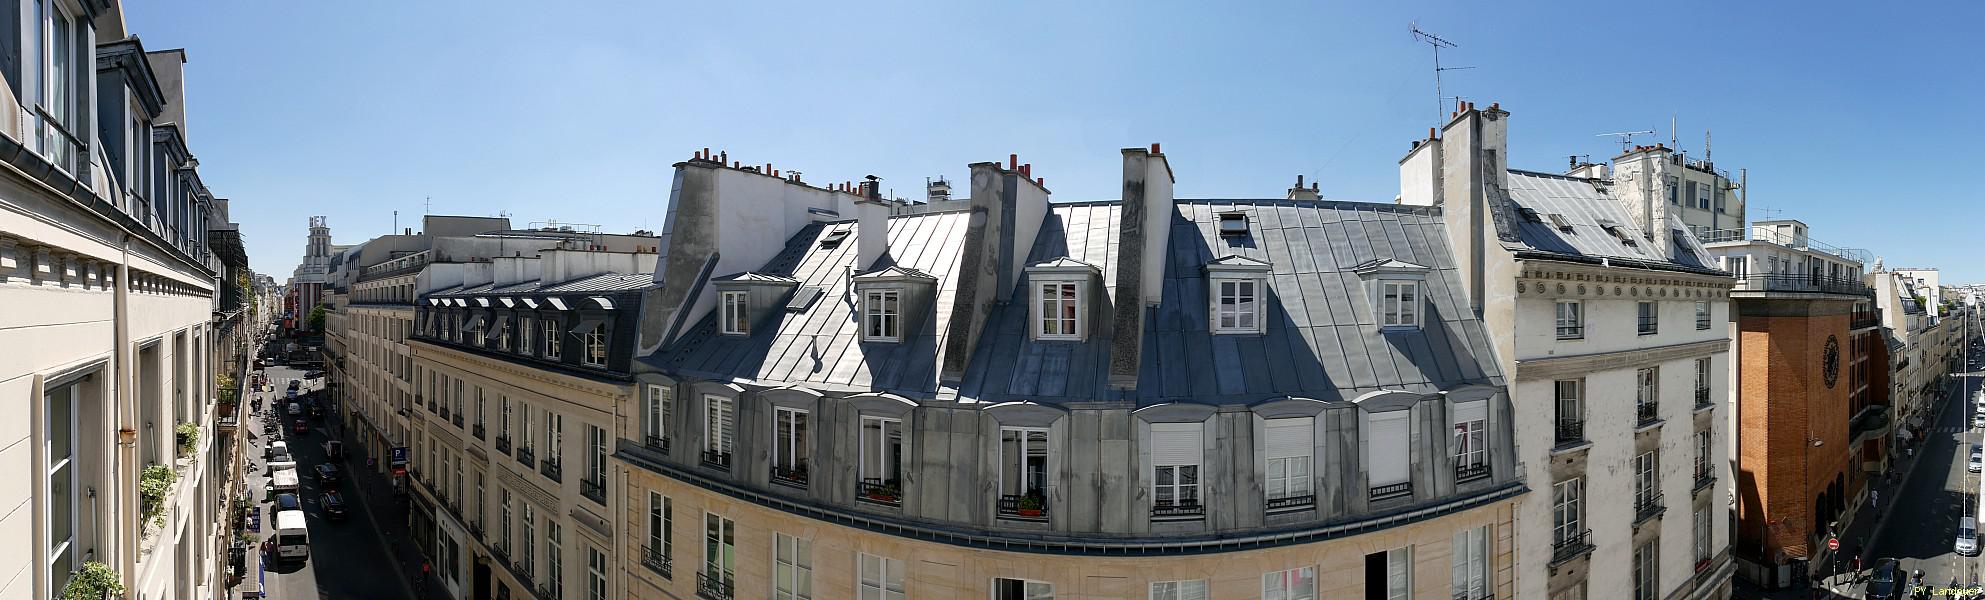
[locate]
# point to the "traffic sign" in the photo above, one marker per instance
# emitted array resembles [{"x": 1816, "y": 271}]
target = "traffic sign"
[
  {"x": 1833, "y": 543},
  {"x": 399, "y": 455}
]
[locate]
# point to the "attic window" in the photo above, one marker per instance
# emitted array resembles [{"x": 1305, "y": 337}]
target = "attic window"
[
  {"x": 1559, "y": 221},
  {"x": 1530, "y": 214},
  {"x": 1233, "y": 224},
  {"x": 833, "y": 238}
]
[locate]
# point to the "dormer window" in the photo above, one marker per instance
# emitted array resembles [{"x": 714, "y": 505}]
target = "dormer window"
[
  {"x": 1060, "y": 317},
  {"x": 1233, "y": 224},
  {"x": 882, "y": 316},
  {"x": 1399, "y": 304},
  {"x": 891, "y": 299},
  {"x": 737, "y": 313},
  {"x": 1235, "y": 285},
  {"x": 595, "y": 341},
  {"x": 1395, "y": 292}
]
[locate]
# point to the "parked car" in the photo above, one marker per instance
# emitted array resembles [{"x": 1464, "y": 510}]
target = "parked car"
[
  {"x": 327, "y": 474},
  {"x": 1886, "y": 582},
  {"x": 334, "y": 505},
  {"x": 1967, "y": 537},
  {"x": 275, "y": 448},
  {"x": 295, "y": 385},
  {"x": 334, "y": 450},
  {"x": 300, "y": 428},
  {"x": 288, "y": 502},
  {"x": 1977, "y": 462}
]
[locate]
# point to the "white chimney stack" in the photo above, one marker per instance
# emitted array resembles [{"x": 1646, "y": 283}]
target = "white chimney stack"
[{"x": 872, "y": 224}]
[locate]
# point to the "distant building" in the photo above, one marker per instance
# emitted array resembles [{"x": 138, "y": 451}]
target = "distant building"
[{"x": 1704, "y": 198}]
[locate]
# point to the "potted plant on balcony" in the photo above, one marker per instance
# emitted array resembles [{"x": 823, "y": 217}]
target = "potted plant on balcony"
[
  {"x": 1030, "y": 504},
  {"x": 94, "y": 581},
  {"x": 887, "y": 492},
  {"x": 153, "y": 485},
  {"x": 188, "y": 435}
]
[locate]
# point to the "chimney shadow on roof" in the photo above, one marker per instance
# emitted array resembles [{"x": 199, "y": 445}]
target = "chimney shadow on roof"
[
  {"x": 1439, "y": 350},
  {"x": 1184, "y": 359}
]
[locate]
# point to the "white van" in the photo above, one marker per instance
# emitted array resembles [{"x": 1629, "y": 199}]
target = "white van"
[
  {"x": 284, "y": 480},
  {"x": 292, "y": 537},
  {"x": 1967, "y": 536}
]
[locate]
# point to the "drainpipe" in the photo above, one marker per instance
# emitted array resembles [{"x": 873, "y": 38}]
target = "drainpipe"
[{"x": 122, "y": 503}]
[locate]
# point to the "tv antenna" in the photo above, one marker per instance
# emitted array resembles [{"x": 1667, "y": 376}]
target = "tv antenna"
[
  {"x": 1626, "y": 138},
  {"x": 1440, "y": 97}
]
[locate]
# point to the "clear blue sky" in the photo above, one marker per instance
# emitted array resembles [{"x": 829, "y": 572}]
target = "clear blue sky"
[{"x": 1849, "y": 116}]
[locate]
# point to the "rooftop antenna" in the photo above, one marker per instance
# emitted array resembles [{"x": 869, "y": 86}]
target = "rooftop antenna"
[
  {"x": 1705, "y": 145},
  {"x": 1440, "y": 98},
  {"x": 427, "y": 205},
  {"x": 1626, "y": 138},
  {"x": 1769, "y": 213}
]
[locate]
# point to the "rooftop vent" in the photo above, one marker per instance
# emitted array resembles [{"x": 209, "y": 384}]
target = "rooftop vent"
[
  {"x": 1559, "y": 221},
  {"x": 833, "y": 238},
  {"x": 1530, "y": 214},
  {"x": 803, "y": 298},
  {"x": 1233, "y": 224}
]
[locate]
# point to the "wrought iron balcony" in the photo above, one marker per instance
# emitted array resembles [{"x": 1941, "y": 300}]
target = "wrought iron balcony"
[
  {"x": 878, "y": 492},
  {"x": 475, "y": 529},
  {"x": 1648, "y": 412},
  {"x": 1702, "y": 397},
  {"x": 714, "y": 587},
  {"x": 476, "y": 431},
  {"x": 458, "y": 420},
  {"x": 1182, "y": 509},
  {"x": 654, "y": 560},
  {"x": 1387, "y": 492},
  {"x": 717, "y": 459},
  {"x": 1467, "y": 473},
  {"x": 795, "y": 476},
  {"x": 593, "y": 490},
  {"x": 551, "y": 469},
  {"x": 1291, "y": 502},
  {"x": 502, "y": 444},
  {"x": 1568, "y": 547},
  {"x": 1571, "y": 432},
  {"x": 1647, "y": 508},
  {"x": 1704, "y": 477},
  {"x": 1029, "y": 507},
  {"x": 1571, "y": 332},
  {"x": 525, "y": 457},
  {"x": 658, "y": 443},
  {"x": 1802, "y": 283}
]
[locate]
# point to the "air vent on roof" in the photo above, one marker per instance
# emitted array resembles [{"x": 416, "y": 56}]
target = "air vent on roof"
[
  {"x": 1559, "y": 221},
  {"x": 833, "y": 238},
  {"x": 1530, "y": 214},
  {"x": 803, "y": 298},
  {"x": 1233, "y": 223}
]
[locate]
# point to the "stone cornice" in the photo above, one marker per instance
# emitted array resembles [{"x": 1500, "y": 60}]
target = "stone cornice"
[
  {"x": 1581, "y": 281},
  {"x": 1558, "y": 367},
  {"x": 473, "y": 363}
]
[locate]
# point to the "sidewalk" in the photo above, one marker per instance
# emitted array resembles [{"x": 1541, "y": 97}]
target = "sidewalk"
[{"x": 389, "y": 513}]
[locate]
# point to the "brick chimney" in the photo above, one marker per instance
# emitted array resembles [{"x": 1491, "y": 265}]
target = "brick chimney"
[{"x": 1144, "y": 236}]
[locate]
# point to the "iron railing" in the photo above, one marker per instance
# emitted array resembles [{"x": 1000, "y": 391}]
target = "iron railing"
[
  {"x": 659, "y": 443},
  {"x": 714, "y": 587},
  {"x": 1009, "y": 507},
  {"x": 655, "y": 560},
  {"x": 476, "y": 431},
  {"x": 503, "y": 444},
  {"x": 551, "y": 469},
  {"x": 880, "y": 492},
  {"x": 717, "y": 458},
  {"x": 1568, "y": 547},
  {"x": 458, "y": 420},
  {"x": 1291, "y": 502},
  {"x": 1648, "y": 412},
  {"x": 526, "y": 457},
  {"x": 1800, "y": 282},
  {"x": 1704, "y": 477},
  {"x": 1702, "y": 397},
  {"x": 1571, "y": 332},
  {"x": 1570, "y": 432},
  {"x": 1396, "y": 490},
  {"x": 1182, "y": 508},
  {"x": 593, "y": 490},
  {"x": 1647, "y": 508},
  {"x": 793, "y": 476},
  {"x": 1467, "y": 473}
]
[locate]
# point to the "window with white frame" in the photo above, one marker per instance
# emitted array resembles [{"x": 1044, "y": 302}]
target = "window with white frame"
[
  {"x": 55, "y": 38},
  {"x": 525, "y": 432},
  {"x": 503, "y": 333},
  {"x": 1236, "y": 306},
  {"x": 481, "y": 501},
  {"x": 1647, "y": 571},
  {"x": 1646, "y": 483},
  {"x": 596, "y": 461},
  {"x": 596, "y": 346},
  {"x": 736, "y": 316},
  {"x": 1060, "y": 313},
  {"x": 719, "y": 416},
  {"x": 1176, "y": 453},
  {"x": 1568, "y": 511},
  {"x": 554, "y": 437},
  {"x": 882, "y": 457},
  {"x": 1399, "y": 303},
  {"x": 1571, "y": 319},
  {"x": 1390, "y": 571},
  {"x": 60, "y": 405},
  {"x": 1470, "y": 560},
  {"x": 503, "y": 416},
  {"x": 524, "y": 336},
  {"x": 661, "y": 528},
  {"x": 554, "y": 557},
  {"x": 1023, "y": 459},
  {"x": 790, "y": 443},
  {"x": 1293, "y": 584},
  {"x": 1022, "y": 589},
  {"x": 1388, "y": 465},
  {"x": 1288, "y": 446},
  {"x": 1702, "y": 541},
  {"x": 880, "y": 578},
  {"x": 1647, "y": 392},
  {"x": 482, "y": 407},
  {"x": 1702, "y": 381},
  {"x": 1191, "y": 589},
  {"x": 1570, "y": 395},
  {"x": 1702, "y": 455},
  {"x": 481, "y": 333},
  {"x": 527, "y": 548},
  {"x": 1649, "y": 322},
  {"x": 882, "y": 315},
  {"x": 719, "y": 548},
  {"x": 503, "y": 526},
  {"x": 552, "y": 343},
  {"x": 658, "y": 415},
  {"x": 1471, "y": 453},
  {"x": 596, "y": 574},
  {"x": 792, "y": 567},
  {"x": 1702, "y": 315}
]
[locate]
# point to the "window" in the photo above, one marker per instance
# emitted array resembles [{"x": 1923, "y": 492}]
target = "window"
[
  {"x": 503, "y": 509},
  {"x": 596, "y": 574},
  {"x": 1672, "y": 192},
  {"x": 737, "y": 313},
  {"x": 551, "y": 341},
  {"x": 481, "y": 333},
  {"x": 881, "y": 578},
  {"x": 882, "y": 459},
  {"x": 480, "y": 501},
  {"x": 792, "y": 567},
  {"x": 1060, "y": 303},
  {"x": 882, "y": 315},
  {"x": 789, "y": 452},
  {"x": 1702, "y": 381},
  {"x": 1567, "y": 511},
  {"x": 1293, "y": 584},
  {"x": 1650, "y": 319},
  {"x": 1236, "y": 309},
  {"x": 1702, "y": 196},
  {"x": 659, "y": 415},
  {"x": 596, "y": 346},
  {"x": 503, "y": 333},
  {"x": 661, "y": 526},
  {"x": 1571, "y": 410},
  {"x": 482, "y": 407},
  {"x": 503, "y": 417},
  {"x": 1387, "y": 458},
  {"x": 524, "y": 336},
  {"x": 719, "y": 547},
  {"x": 1470, "y": 578},
  {"x": 596, "y": 461},
  {"x": 1194, "y": 589},
  {"x": 527, "y": 551},
  {"x": 1288, "y": 445},
  {"x": 1702, "y": 455},
  {"x": 525, "y": 441},
  {"x": 1647, "y": 571},
  {"x": 1646, "y": 482},
  {"x": 1575, "y": 592},
  {"x": 1176, "y": 452},
  {"x": 554, "y": 558},
  {"x": 1647, "y": 393},
  {"x": 1571, "y": 320},
  {"x": 60, "y": 442},
  {"x": 1702, "y": 533},
  {"x": 1470, "y": 440},
  {"x": 1021, "y": 589},
  {"x": 58, "y": 90},
  {"x": 1389, "y": 574},
  {"x": 554, "y": 436},
  {"x": 1399, "y": 304},
  {"x": 1023, "y": 461},
  {"x": 1702, "y": 315},
  {"x": 718, "y": 415},
  {"x": 1737, "y": 265}
]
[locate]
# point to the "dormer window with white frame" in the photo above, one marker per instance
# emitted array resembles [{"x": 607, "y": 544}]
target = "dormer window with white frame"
[
  {"x": 1235, "y": 288},
  {"x": 1399, "y": 304},
  {"x": 736, "y": 317},
  {"x": 882, "y": 315},
  {"x": 1059, "y": 294},
  {"x": 1394, "y": 288}
]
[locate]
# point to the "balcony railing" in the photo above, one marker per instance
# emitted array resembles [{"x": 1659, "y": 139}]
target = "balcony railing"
[
  {"x": 1387, "y": 492},
  {"x": 1291, "y": 502},
  {"x": 1033, "y": 507},
  {"x": 793, "y": 476},
  {"x": 1177, "y": 510},
  {"x": 1864, "y": 320},
  {"x": 551, "y": 469},
  {"x": 1467, "y": 473},
  {"x": 525, "y": 457},
  {"x": 593, "y": 490},
  {"x": 658, "y": 443},
  {"x": 476, "y": 431},
  {"x": 1797, "y": 282},
  {"x": 502, "y": 444},
  {"x": 1647, "y": 508},
  {"x": 475, "y": 529},
  {"x": 1568, "y": 547},
  {"x": 1571, "y": 432},
  {"x": 1648, "y": 412},
  {"x": 879, "y": 492},
  {"x": 713, "y": 587},
  {"x": 1702, "y": 397},
  {"x": 655, "y": 561},
  {"x": 458, "y": 420},
  {"x": 1571, "y": 332},
  {"x": 717, "y": 458},
  {"x": 1704, "y": 477}
]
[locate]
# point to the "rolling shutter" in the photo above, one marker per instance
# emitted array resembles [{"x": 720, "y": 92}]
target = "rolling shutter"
[
  {"x": 1387, "y": 455},
  {"x": 1471, "y": 411},
  {"x": 1288, "y": 438},
  {"x": 1176, "y": 443}
]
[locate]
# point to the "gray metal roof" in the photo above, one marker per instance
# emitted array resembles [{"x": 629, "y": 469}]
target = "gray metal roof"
[
  {"x": 605, "y": 282},
  {"x": 1588, "y": 212},
  {"x": 820, "y": 344},
  {"x": 1321, "y": 339}
]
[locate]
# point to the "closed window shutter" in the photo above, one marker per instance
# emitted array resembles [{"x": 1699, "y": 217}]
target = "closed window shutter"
[
  {"x": 1288, "y": 438},
  {"x": 1176, "y": 443},
  {"x": 1471, "y": 411},
  {"x": 1386, "y": 450}
]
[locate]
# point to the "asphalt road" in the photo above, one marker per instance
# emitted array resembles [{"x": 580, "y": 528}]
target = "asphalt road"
[
  {"x": 348, "y": 558},
  {"x": 1922, "y": 528}
]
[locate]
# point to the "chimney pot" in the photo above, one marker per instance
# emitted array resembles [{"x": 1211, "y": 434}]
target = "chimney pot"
[
  {"x": 1154, "y": 148},
  {"x": 1041, "y": 181},
  {"x": 1433, "y": 132},
  {"x": 1012, "y": 162},
  {"x": 1495, "y": 106},
  {"x": 1299, "y": 180}
]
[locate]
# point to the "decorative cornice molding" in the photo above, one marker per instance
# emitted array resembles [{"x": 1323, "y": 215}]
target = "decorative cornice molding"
[
  {"x": 1560, "y": 366},
  {"x": 1572, "y": 280}
]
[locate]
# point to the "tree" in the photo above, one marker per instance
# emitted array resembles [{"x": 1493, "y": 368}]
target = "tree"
[{"x": 316, "y": 319}]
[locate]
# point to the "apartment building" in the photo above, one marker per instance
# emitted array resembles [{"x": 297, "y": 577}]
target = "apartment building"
[
  {"x": 1142, "y": 397},
  {"x": 1614, "y": 322},
  {"x": 1707, "y": 202},
  {"x": 519, "y": 367},
  {"x": 1811, "y": 426},
  {"x": 108, "y": 274}
]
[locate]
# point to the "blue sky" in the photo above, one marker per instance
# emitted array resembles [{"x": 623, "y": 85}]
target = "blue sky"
[{"x": 1849, "y": 116}]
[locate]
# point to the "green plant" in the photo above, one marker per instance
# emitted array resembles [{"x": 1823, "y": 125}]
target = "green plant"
[
  {"x": 94, "y": 581},
  {"x": 153, "y": 484},
  {"x": 1030, "y": 502},
  {"x": 189, "y": 436}
]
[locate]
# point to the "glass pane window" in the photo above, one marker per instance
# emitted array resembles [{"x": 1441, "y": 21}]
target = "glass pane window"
[
  {"x": 1470, "y": 554},
  {"x": 1399, "y": 303},
  {"x": 1194, "y": 589},
  {"x": 882, "y": 315},
  {"x": 882, "y": 450},
  {"x": 596, "y": 574},
  {"x": 1567, "y": 510},
  {"x": 1646, "y": 483},
  {"x": 880, "y": 578},
  {"x": 1649, "y": 318},
  {"x": 736, "y": 317},
  {"x": 1647, "y": 571},
  {"x": 1022, "y": 589},
  {"x": 552, "y": 343},
  {"x": 792, "y": 567},
  {"x": 1470, "y": 443},
  {"x": 1571, "y": 319},
  {"x": 59, "y": 441},
  {"x": 659, "y": 414},
  {"x": 789, "y": 437},
  {"x": 1702, "y": 314},
  {"x": 524, "y": 336},
  {"x": 596, "y": 346},
  {"x": 1236, "y": 306},
  {"x": 719, "y": 546},
  {"x": 1060, "y": 310},
  {"x": 1293, "y": 584},
  {"x": 1023, "y": 461},
  {"x": 661, "y": 521},
  {"x": 719, "y": 415}
]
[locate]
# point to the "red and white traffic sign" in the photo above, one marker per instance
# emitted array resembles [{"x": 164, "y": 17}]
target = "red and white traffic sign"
[{"x": 1833, "y": 543}]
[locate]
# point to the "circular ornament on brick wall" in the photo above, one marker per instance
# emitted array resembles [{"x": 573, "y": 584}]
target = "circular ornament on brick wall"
[{"x": 1830, "y": 361}]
